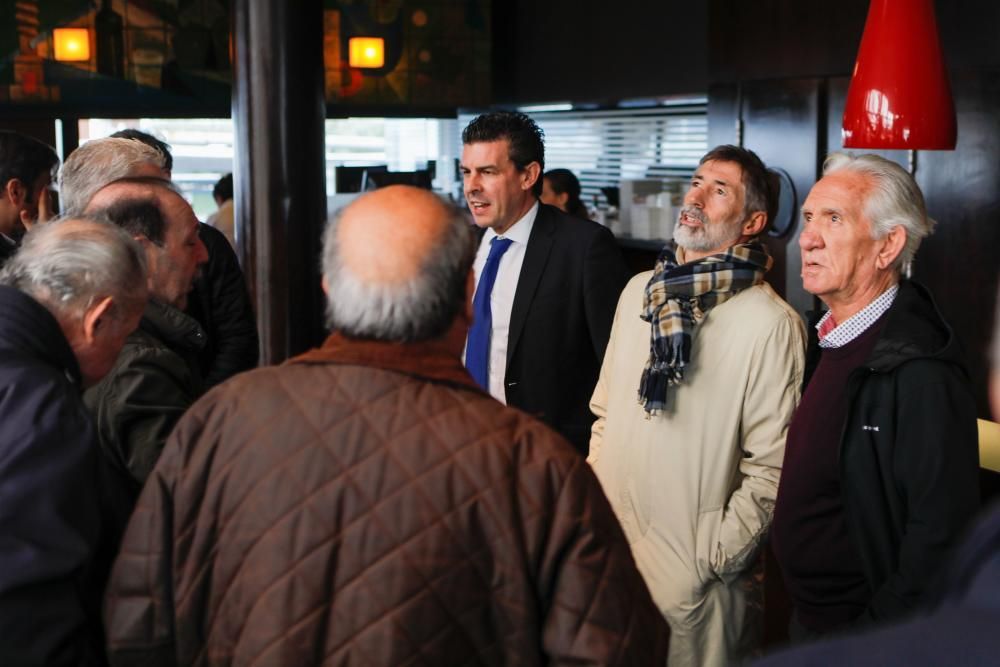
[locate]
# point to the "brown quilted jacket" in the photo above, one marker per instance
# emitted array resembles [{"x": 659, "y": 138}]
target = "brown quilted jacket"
[{"x": 366, "y": 504}]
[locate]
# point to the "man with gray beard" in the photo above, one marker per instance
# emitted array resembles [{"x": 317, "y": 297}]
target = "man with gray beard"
[{"x": 691, "y": 468}]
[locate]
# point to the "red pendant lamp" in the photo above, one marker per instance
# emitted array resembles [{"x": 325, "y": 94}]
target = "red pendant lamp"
[{"x": 899, "y": 95}]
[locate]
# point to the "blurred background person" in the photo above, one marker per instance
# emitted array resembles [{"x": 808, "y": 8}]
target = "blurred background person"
[
  {"x": 26, "y": 167},
  {"x": 222, "y": 219},
  {"x": 561, "y": 188}
]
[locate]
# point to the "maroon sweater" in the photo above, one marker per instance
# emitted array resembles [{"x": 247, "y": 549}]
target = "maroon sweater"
[{"x": 822, "y": 571}]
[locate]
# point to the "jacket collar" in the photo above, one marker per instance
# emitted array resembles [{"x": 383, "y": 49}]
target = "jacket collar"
[
  {"x": 535, "y": 257},
  {"x": 427, "y": 359},
  {"x": 173, "y": 327},
  {"x": 28, "y": 328},
  {"x": 914, "y": 329}
]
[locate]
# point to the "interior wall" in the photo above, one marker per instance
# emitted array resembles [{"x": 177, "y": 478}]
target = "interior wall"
[
  {"x": 761, "y": 56},
  {"x": 560, "y": 50}
]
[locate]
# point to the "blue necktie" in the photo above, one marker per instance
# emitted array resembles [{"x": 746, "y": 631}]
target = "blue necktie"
[{"x": 477, "y": 348}]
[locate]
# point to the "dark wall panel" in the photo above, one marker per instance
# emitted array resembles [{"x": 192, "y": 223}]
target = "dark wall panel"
[
  {"x": 962, "y": 187},
  {"x": 771, "y": 39},
  {"x": 560, "y": 50},
  {"x": 781, "y": 121}
]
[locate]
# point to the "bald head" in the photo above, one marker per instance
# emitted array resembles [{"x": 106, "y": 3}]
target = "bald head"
[
  {"x": 163, "y": 222},
  {"x": 385, "y": 236},
  {"x": 145, "y": 186},
  {"x": 395, "y": 265}
]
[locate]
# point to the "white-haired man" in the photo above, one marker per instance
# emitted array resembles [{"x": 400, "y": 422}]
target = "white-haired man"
[
  {"x": 26, "y": 169},
  {"x": 368, "y": 503},
  {"x": 68, "y": 299},
  {"x": 881, "y": 468}
]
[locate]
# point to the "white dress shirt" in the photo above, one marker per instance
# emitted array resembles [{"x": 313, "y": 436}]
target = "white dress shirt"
[{"x": 502, "y": 299}]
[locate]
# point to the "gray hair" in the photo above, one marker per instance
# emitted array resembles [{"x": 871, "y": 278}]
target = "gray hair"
[
  {"x": 418, "y": 309},
  {"x": 97, "y": 163},
  {"x": 895, "y": 199},
  {"x": 70, "y": 263}
]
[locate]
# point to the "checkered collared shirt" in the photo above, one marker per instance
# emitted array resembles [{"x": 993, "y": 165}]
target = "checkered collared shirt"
[{"x": 832, "y": 334}]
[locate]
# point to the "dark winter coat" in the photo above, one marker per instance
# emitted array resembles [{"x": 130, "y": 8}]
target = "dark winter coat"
[
  {"x": 50, "y": 523},
  {"x": 221, "y": 304},
  {"x": 7, "y": 249},
  {"x": 959, "y": 628},
  {"x": 909, "y": 454},
  {"x": 154, "y": 380}
]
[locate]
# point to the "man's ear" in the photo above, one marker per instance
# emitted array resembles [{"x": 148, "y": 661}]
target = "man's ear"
[
  {"x": 755, "y": 224},
  {"x": 15, "y": 192},
  {"x": 530, "y": 175},
  {"x": 95, "y": 318},
  {"x": 892, "y": 244},
  {"x": 325, "y": 285}
]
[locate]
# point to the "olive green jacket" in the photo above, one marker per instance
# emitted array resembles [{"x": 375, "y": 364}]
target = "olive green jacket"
[{"x": 154, "y": 380}]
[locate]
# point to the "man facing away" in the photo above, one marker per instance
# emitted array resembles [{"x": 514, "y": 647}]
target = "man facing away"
[
  {"x": 882, "y": 468},
  {"x": 156, "y": 376},
  {"x": 700, "y": 379},
  {"x": 368, "y": 503},
  {"x": 26, "y": 167},
  {"x": 547, "y": 284},
  {"x": 68, "y": 299}
]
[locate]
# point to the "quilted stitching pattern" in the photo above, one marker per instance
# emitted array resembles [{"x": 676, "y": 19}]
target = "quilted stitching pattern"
[{"x": 337, "y": 515}]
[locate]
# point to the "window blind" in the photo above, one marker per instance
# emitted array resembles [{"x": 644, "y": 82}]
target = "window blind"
[{"x": 603, "y": 147}]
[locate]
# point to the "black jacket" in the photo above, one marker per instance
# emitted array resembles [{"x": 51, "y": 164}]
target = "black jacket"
[
  {"x": 909, "y": 454},
  {"x": 560, "y": 322},
  {"x": 7, "y": 249},
  {"x": 961, "y": 629},
  {"x": 221, "y": 304},
  {"x": 50, "y": 585},
  {"x": 154, "y": 380}
]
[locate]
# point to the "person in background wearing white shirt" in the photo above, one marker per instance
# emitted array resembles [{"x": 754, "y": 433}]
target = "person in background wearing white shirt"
[{"x": 547, "y": 283}]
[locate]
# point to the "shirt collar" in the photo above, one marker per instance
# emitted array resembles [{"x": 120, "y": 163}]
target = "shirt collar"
[
  {"x": 843, "y": 333},
  {"x": 425, "y": 359},
  {"x": 520, "y": 231}
]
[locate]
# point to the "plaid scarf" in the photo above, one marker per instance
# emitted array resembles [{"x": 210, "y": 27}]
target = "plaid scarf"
[{"x": 677, "y": 299}]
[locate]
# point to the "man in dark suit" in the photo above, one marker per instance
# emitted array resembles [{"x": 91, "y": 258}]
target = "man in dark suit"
[{"x": 547, "y": 283}]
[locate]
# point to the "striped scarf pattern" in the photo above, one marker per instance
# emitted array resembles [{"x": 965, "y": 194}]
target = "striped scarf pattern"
[{"x": 677, "y": 299}]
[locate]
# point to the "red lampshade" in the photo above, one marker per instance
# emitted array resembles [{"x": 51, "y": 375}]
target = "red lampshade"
[{"x": 899, "y": 95}]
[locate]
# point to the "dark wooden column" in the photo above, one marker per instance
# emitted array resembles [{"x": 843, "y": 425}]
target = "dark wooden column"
[{"x": 279, "y": 174}]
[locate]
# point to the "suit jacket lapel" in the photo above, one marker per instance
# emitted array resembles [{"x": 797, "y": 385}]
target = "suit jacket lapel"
[{"x": 535, "y": 257}]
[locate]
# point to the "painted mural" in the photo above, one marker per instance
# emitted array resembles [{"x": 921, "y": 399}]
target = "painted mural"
[
  {"x": 172, "y": 57},
  {"x": 437, "y": 52},
  {"x": 167, "y": 55}
]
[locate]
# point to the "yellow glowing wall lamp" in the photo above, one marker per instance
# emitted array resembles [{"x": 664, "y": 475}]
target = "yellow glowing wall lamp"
[
  {"x": 71, "y": 44},
  {"x": 367, "y": 52}
]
